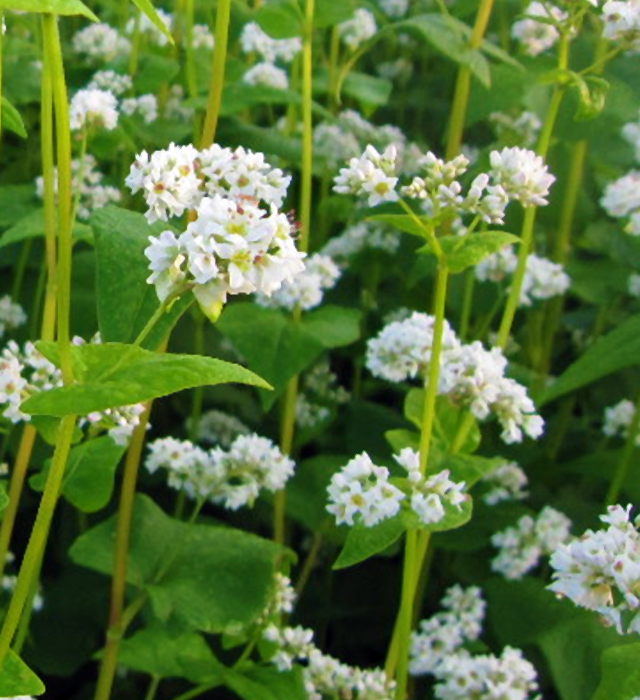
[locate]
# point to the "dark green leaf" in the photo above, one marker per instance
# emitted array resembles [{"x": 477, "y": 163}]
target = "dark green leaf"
[
  {"x": 165, "y": 653},
  {"x": 89, "y": 474},
  {"x": 11, "y": 119},
  {"x": 620, "y": 673},
  {"x": 614, "y": 351},
  {"x": 125, "y": 301},
  {"x": 16, "y": 678},
  {"x": 205, "y": 577},
  {"x": 333, "y": 326},
  {"x": 141, "y": 375},
  {"x": 32, "y": 226},
  {"x": 267, "y": 683},
  {"x": 419, "y": 225},
  {"x": 55, "y": 7},
  {"x": 363, "y": 542}
]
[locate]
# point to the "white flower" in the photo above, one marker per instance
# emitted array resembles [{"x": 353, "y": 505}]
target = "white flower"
[
  {"x": 253, "y": 38},
  {"x": 535, "y": 36},
  {"x": 145, "y": 105},
  {"x": 219, "y": 428},
  {"x": 93, "y": 108},
  {"x": 505, "y": 483},
  {"x": 394, "y": 8},
  {"x": 622, "y": 22},
  {"x": 618, "y": 418},
  {"x": 622, "y": 198},
  {"x": 362, "y": 490},
  {"x": 522, "y": 130},
  {"x": 522, "y": 174},
  {"x": 100, "y": 42},
  {"x": 543, "y": 279},
  {"x": 147, "y": 28},
  {"x": 12, "y": 315},
  {"x": 631, "y": 133},
  {"x": 266, "y": 74},
  {"x": 359, "y": 28},
  {"x": 371, "y": 175},
  {"x": 202, "y": 38},
  {"x": 361, "y": 236},
  {"x": 110, "y": 81},
  {"x": 497, "y": 266},
  {"x": 633, "y": 285}
]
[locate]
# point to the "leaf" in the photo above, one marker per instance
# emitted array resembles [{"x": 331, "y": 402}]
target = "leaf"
[
  {"x": 462, "y": 252},
  {"x": 608, "y": 354},
  {"x": 55, "y": 7},
  {"x": 272, "y": 343},
  {"x": 141, "y": 375},
  {"x": 16, "y": 678},
  {"x": 333, "y": 326},
  {"x": 125, "y": 301},
  {"x": 32, "y": 226},
  {"x": 449, "y": 36},
  {"x": 592, "y": 91},
  {"x": 267, "y": 683},
  {"x": 363, "y": 542},
  {"x": 620, "y": 673},
  {"x": 162, "y": 652},
  {"x": 11, "y": 119},
  {"x": 327, "y": 13},
  {"x": 367, "y": 89},
  {"x": 280, "y": 19},
  {"x": 406, "y": 223},
  {"x": 454, "y": 517},
  {"x": 48, "y": 428},
  {"x": 205, "y": 577},
  {"x": 89, "y": 474},
  {"x": 399, "y": 439},
  {"x": 149, "y": 11},
  {"x": 15, "y": 200}
]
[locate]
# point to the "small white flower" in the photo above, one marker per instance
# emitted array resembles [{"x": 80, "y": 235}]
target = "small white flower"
[
  {"x": 93, "y": 108},
  {"x": 359, "y": 28},
  {"x": 268, "y": 75}
]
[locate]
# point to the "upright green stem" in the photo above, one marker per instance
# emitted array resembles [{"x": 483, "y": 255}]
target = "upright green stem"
[
  {"x": 526, "y": 236},
  {"x": 291, "y": 393},
  {"x": 622, "y": 468},
  {"x": 405, "y": 615},
  {"x": 190, "y": 65},
  {"x": 81, "y": 159},
  {"x": 37, "y": 540},
  {"x": 463, "y": 83},
  {"x": 109, "y": 661},
  {"x": 216, "y": 83},
  {"x": 1, "y": 43}
]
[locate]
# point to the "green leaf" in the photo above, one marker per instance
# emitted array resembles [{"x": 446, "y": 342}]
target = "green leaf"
[
  {"x": 363, "y": 542},
  {"x": 48, "y": 428},
  {"x": 272, "y": 343},
  {"x": 149, "y": 11},
  {"x": 32, "y": 226},
  {"x": 462, "y": 252},
  {"x": 280, "y": 19},
  {"x": 267, "y": 683},
  {"x": 609, "y": 353},
  {"x": 89, "y": 474},
  {"x": 125, "y": 301},
  {"x": 592, "y": 91},
  {"x": 55, "y": 7},
  {"x": 367, "y": 89},
  {"x": 327, "y": 13},
  {"x": 620, "y": 673},
  {"x": 15, "y": 201},
  {"x": 16, "y": 678},
  {"x": 141, "y": 375},
  {"x": 205, "y": 577},
  {"x": 4, "y": 499},
  {"x": 406, "y": 223},
  {"x": 164, "y": 653},
  {"x": 399, "y": 439},
  {"x": 454, "y": 517},
  {"x": 449, "y": 36},
  {"x": 11, "y": 119},
  {"x": 333, "y": 326}
]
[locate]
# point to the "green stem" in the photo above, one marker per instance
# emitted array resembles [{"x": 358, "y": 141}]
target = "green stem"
[
  {"x": 81, "y": 158},
  {"x": 153, "y": 687},
  {"x": 25, "y": 618},
  {"x": 216, "y": 83},
  {"x": 20, "y": 268},
  {"x": 1, "y": 43},
  {"x": 135, "y": 46},
  {"x": 38, "y": 538},
  {"x": 190, "y": 65},
  {"x": 405, "y": 615},
  {"x": 622, "y": 468},
  {"x": 287, "y": 428},
  {"x": 463, "y": 83},
  {"x": 53, "y": 59},
  {"x": 116, "y": 627},
  {"x": 308, "y": 564},
  {"x": 198, "y": 690}
]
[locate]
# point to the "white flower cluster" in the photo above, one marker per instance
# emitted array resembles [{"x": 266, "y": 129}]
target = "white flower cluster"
[
  {"x": 536, "y": 36},
  {"x": 522, "y": 174},
  {"x": 633, "y": 285},
  {"x": 600, "y": 571},
  {"x": 26, "y": 372},
  {"x": 12, "y": 315},
  {"x": 469, "y": 375},
  {"x": 88, "y": 182},
  {"x": 110, "y": 81},
  {"x": 148, "y": 29},
  {"x": 100, "y": 43},
  {"x": 361, "y": 489},
  {"x": 543, "y": 278},
  {"x": 522, "y": 545},
  {"x": 219, "y": 428},
  {"x": 253, "y": 39},
  {"x": 370, "y": 175},
  {"x": 521, "y": 130},
  {"x": 282, "y": 601},
  {"x": 173, "y": 107},
  {"x": 444, "y": 632},
  {"x": 266, "y": 74},
  {"x": 617, "y": 419},
  {"x": 358, "y": 29},
  {"x": 93, "y": 109},
  {"x": 361, "y": 236},
  {"x": 622, "y": 22},
  {"x": 234, "y": 246},
  {"x": 631, "y": 133},
  {"x": 622, "y": 198},
  {"x": 436, "y": 649},
  {"x": 146, "y": 106},
  {"x": 201, "y": 38},
  {"x": 394, "y": 8},
  {"x": 232, "y": 478},
  {"x": 319, "y": 392},
  {"x": 307, "y": 289},
  {"x": 400, "y": 69},
  {"x": 324, "y": 676},
  {"x": 506, "y": 483}
]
